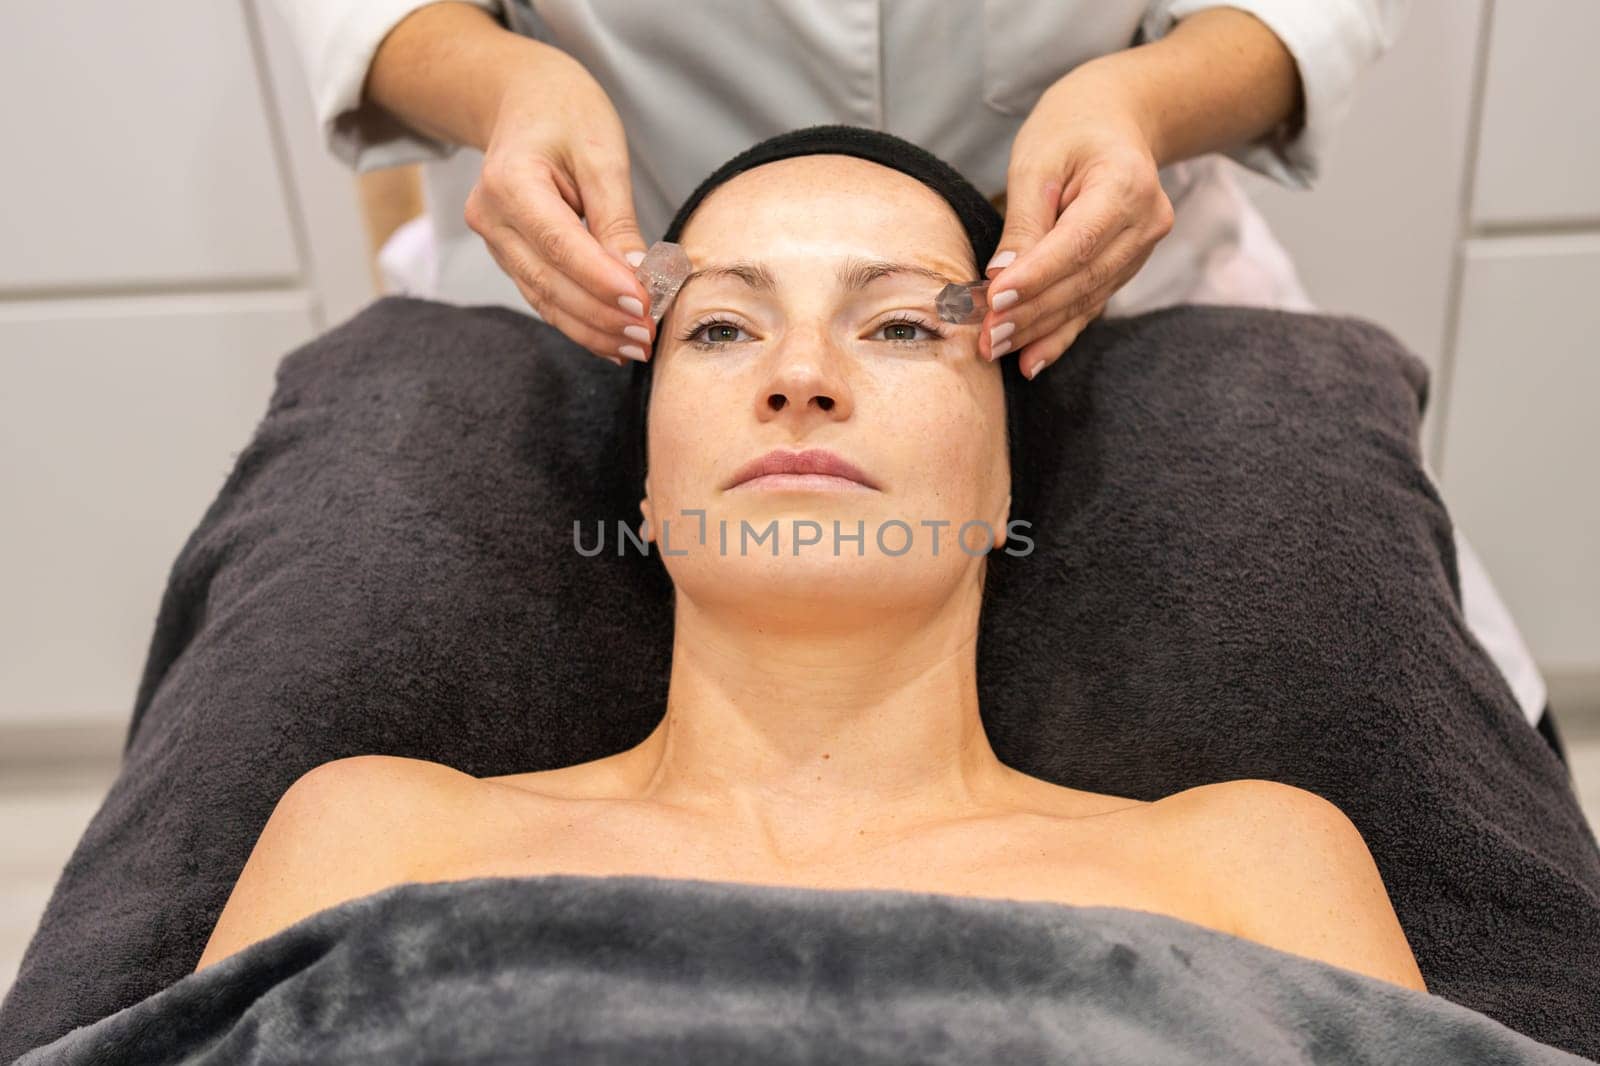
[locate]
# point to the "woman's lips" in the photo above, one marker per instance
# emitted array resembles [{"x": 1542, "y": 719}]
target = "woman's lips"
[
  {"x": 801, "y": 483},
  {"x": 813, "y": 468}
]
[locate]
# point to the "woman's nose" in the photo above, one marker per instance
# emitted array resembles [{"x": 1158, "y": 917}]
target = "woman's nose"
[
  {"x": 821, "y": 399},
  {"x": 805, "y": 382},
  {"x": 805, "y": 395}
]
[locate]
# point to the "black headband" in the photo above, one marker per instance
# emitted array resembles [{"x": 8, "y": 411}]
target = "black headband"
[{"x": 978, "y": 216}]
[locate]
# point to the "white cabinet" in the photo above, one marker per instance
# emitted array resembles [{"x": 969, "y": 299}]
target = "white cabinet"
[
  {"x": 119, "y": 421},
  {"x": 138, "y": 150},
  {"x": 169, "y": 229},
  {"x": 1539, "y": 145},
  {"x": 1520, "y": 443},
  {"x": 1378, "y": 236},
  {"x": 1522, "y": 446}
]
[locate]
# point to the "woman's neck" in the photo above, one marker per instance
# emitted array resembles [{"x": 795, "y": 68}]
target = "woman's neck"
[{"x": 804, "y": 740}]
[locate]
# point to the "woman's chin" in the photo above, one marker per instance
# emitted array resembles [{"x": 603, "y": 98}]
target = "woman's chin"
[
  {"x": 794, "y": 523},
  {"x": 819, "y": 582}
]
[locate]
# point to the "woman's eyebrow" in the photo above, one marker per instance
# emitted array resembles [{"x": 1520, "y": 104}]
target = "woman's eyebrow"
[{"x": 853, "y": 273}]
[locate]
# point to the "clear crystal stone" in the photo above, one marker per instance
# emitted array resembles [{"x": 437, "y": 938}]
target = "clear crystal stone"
[
  {"x": 963, "y": 303},
  {"x": 662, "y": 273}
]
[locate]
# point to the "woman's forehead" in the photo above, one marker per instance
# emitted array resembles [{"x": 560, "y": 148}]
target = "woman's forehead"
[
  {"x": 825, "y": 199},
  {"x": 849, "y": 270},
  {"x": 766, "y": 258}
]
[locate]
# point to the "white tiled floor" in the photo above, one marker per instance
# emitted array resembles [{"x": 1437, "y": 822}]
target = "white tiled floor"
[{"x": 42, "y": 816}]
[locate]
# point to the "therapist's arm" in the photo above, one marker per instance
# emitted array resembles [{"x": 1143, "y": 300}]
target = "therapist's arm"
[
  {"x": 446, "y": 67},
  {"x": 554, "y": 148},
  {"x": 1221, "y": 79}
]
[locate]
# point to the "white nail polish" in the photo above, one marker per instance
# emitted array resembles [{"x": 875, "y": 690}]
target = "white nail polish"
[
  {"x": 638, "y": 333},
  {"x": 1001, "y": 332},
  {"x": 631, "y": 305},
  {"x": 1003, "y": 300},
  {"x": 634, "y": 258},
  {"x": 997, "y": 350},
  {"x": 632, "y": 351},
  {"x": 1001, "y": 261}
]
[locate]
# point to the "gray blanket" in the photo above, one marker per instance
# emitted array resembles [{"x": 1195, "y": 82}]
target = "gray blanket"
[{"x": 566, "y": 969}]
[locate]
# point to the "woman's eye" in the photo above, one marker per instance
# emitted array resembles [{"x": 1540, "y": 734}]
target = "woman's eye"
[
  {"x": 905, "y": 331},
  {"x": 717, "y": 332}
]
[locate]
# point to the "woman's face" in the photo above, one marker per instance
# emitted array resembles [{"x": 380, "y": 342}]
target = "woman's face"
[{"x": 791, "y": 336}]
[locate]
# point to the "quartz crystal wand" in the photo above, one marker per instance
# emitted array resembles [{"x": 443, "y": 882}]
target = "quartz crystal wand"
[
  {"x": 662, "y": 272},
  {"x": 963, "y": 303}
]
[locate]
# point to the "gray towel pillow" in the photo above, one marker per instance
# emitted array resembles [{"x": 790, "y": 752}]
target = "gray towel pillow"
[{"x": 1241, "y": 571}]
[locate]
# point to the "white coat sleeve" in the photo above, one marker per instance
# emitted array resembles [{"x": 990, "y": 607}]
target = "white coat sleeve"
[
  {"x": 337, "y": 40},
  {"x": 1333, "y": 43}
]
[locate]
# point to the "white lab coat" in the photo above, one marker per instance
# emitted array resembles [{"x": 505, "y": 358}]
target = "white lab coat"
[{"x": 698, "y": 81}]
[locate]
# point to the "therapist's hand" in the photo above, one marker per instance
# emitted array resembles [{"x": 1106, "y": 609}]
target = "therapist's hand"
[
  {"x": 1084, "y": 210},
  {"x": 553, "y": 149},
  {"x": 556, "y": 154}
]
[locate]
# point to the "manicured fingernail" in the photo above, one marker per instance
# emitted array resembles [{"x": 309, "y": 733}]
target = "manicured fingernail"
[
  {"x": 631, "y": 305},
  {"x": 1001, "y": 332},
  {"x": 632, "y": 351},
  {"x": 634, "y": 258},
  {"x": 997, "y": 350},
  {"x": 638, "y": 333},
  {"x": 1003, "y": 300},
  {"x": 1001, "y": 261},
  {"x": 1035, "y": 371},
  {"x": 615, "y": 359}
]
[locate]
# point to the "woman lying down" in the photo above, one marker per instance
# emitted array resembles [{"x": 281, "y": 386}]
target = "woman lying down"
[{"x": 822, "y": 727}]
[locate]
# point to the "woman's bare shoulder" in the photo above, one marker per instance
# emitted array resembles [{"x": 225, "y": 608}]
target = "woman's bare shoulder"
[
  {"x": 1062, "y": 801},
  {"x": 380, "y": 779},
  {"x": 343, "y": 829},
  {"x": 1295, "y": 873},
  {"x": 376, "y": 798},
  {"x": 602, "y": 778}
]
